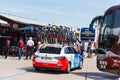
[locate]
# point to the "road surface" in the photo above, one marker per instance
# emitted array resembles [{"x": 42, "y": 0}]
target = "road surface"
[{"x": 14, "y": 69}]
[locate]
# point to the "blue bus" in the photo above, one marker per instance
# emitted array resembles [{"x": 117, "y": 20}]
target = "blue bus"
[{"x": 86, "y": 34}]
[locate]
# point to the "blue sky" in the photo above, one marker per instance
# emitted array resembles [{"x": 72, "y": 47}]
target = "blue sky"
[{"x": 73, "y": 13}]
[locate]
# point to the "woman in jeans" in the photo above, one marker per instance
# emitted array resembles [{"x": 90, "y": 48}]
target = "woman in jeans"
[{"x": 20, "y": 46}]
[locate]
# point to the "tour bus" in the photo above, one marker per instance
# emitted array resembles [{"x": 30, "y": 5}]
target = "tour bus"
[
  {"x": 86, "y": 34},
  {"x": 108, "y": 52}
]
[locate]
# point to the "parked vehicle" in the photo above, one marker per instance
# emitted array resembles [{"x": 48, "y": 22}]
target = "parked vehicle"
[
  {"x": 57, "y": 57},
  {"x": 108, "y": 52},
  {"x": 87, "y": 34}
]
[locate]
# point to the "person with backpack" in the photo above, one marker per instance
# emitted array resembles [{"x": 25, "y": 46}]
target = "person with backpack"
[{"x": 20, "y": 46}]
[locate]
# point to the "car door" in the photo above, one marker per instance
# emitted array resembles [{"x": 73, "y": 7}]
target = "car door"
[
  {"x": 72, "y": 57},
  {"x": 68, "y": 54},
  {"x": 76, "y": 58}
]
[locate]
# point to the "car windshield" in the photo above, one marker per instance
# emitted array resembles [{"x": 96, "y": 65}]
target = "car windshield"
[{"x": 50, "y": 50}]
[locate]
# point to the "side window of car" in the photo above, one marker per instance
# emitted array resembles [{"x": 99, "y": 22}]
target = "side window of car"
[
  {"x": 73, "y": 50},
  {"x": 66, "y": 50},
  {"x": 69, "y": 50}
]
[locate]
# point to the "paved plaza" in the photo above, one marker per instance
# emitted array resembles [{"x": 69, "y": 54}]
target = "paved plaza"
[{"x": 14, "y": 69}]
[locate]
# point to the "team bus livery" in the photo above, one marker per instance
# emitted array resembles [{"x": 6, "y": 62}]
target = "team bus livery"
[
  {"x": 86, "y": 34},
  {"x": 108, "y": 59}
]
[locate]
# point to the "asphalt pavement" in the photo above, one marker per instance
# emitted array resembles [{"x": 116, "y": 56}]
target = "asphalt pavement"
[{"x": 14, "y": 69}]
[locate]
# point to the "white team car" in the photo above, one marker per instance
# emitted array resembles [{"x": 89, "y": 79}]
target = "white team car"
[{"x": 57, "y": 57}]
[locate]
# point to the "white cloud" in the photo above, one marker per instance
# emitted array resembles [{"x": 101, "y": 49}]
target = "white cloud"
[
  {"x": 37, "y": 10},
  {"x": 50, "y": 11},
  {"x": 116, "y": 1},
  {"x": 80, "y": 14},
  {"x": 16, "y": 10}
]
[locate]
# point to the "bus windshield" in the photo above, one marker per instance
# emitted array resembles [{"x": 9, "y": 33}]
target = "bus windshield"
[{"x": 105, "y": 29}]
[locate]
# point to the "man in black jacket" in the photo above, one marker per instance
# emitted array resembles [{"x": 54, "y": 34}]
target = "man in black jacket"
[{"x": 7, "y": 48}]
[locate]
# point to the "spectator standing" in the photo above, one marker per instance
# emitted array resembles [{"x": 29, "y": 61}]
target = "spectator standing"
[
  {"x": 30, "y": 47},
  {"x": 89, "y": 49},
  {"x": 20, "y": 46},
  {"x": 78, "y": 46},
  {"x": 82, "y": 48},
  {"x": 39, "y": 45},
  {"x": 7, "y": 48},
  {"x": 3, "y": 43},
  {"x": 75, "y": 46}
]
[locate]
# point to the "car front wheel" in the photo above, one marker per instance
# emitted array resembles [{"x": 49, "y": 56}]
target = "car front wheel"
[{"x": 81, "y": 64}]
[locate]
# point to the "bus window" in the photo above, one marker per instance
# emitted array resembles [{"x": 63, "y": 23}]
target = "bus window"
[{"x": 117, "y": 19}]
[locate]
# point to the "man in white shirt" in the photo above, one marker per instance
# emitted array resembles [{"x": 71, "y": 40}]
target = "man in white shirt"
[{"x": 30, "y": 47}]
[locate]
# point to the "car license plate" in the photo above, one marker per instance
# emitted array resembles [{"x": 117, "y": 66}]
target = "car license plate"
[{"x": 46, "y": 58}]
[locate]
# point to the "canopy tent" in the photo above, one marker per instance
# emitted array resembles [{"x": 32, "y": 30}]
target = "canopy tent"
[
  {"x": 29, "y": 31},
  {"x": 27, "y": 28},
  {"x": 11, "y": 18}
]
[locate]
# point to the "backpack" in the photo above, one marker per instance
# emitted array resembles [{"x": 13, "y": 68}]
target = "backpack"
[{"x": 21, "y": 44}]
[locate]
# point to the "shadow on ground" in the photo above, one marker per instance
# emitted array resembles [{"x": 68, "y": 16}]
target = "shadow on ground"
[
  {"x": 31, "y": 69},
  {"x": 97, "y": 75}
]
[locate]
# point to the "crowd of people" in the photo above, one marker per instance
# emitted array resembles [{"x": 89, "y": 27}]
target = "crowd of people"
[
  {"x": 81, "y": 48},
  {"x": 21, "y": 48},
  {"x": 27, "y": 49}
]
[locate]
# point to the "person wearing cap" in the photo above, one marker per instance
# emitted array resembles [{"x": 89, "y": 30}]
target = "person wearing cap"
[{"x": 30, "y": 47}]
